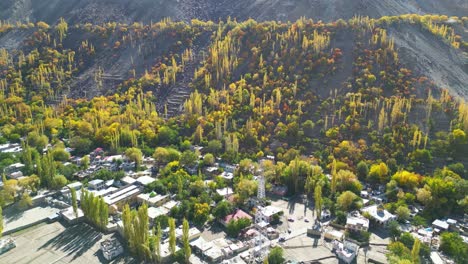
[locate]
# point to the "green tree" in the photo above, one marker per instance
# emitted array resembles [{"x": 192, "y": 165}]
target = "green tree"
[
  {"x": 452, "y": 244},
  {"x": 208, "y": 159},
  {"x": 415, "y": 251},
  {"x": 394, "y": 229},
  {"x": 246, "y": 189},
  {"x": 74, "y": 203},
  {"x": 1, "y": 221},
  {"x": 362, "y": 170},
  {"x": 185, "y": 240},
  {"x": 222, "y": 209},
  {"x": 85, "y": 162},
  {"x": 25, "y": 201},
  {"x": 188, "y": 158},
  {"x": 348, "y": 201},
  {"x": 135, "y": 155},
  {"x": 276, "y": 256},
  {"x": 403, "y": 213},
  {"x": 172, "y": 236},
  {"x": 157, "y": 244},
  {"x": 201, "y": 211},
  {"x": 318, "y": 201}
]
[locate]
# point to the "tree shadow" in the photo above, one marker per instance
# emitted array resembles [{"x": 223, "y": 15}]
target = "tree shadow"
[
  {"x": 291, "y": 205},
  {"x": 380, "y": 232},
  {"x": 12, "y": 213},
  {"x": 75, "y": 240}
]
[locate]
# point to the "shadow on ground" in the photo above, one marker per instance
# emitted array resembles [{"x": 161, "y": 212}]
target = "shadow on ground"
[{"x": 75, "y": 240}]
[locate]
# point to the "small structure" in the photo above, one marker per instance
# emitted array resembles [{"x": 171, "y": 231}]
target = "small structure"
[
  {"x": 440, "y": 225},
  {"x": 279, "y": 190},
  {"x": 6, "y": 244},
  {"x": 200, "y": 245},
  {"x": 238, "y": 214},
  {"x": 227, "y": 175},
  {"x": 334, "y": 235},
  {"x": 364, "y": 194},
  {"x": 14, "y": 170},
  {"x": 145, "y": 180},
  {"x": 75, "y": 185},
  {"x": 315, "y": 230},
  {"x": 194, "y": 233},
  {"x": 379, "y": 214},
  {"x": 127, "y": 180},
  {"x": 69, "y": 215},
  {"x": 97, "y": 184},
  {"x": 125, "y": 194},
  {"x": 154, "y": 212},
  {"x": 226, "y": 192},
  {"x": 166, "y": 252},
  {"x": 111, "y": 248},
  {"x": 11, "y": 148},
  {"x": 345, "y": 251},
  {"x": 265, "y": 214},
  {"x": 153, "y": 199},
  {"x": 356, "y": 222}
]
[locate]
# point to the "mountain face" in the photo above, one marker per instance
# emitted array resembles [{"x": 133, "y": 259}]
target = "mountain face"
[{"x": 127, "y": 11}]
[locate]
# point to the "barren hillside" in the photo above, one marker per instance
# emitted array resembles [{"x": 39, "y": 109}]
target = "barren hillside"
[{"x": 98, "y": 11}]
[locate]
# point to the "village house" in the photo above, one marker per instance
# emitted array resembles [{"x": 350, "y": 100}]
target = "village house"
[
  {"x": 238, "y": 214},
  {"x": 345, "y": 251},
  {"x": 379, "y": 214},
  {"x": 356, "y": 222},
  {"x": 111, "y": 248},
  {"x": 153, "y": 199},
  {"x": 225, "y": 192},
  {"x": 96, "y": 184},
  {"x": 125, "y": 194},
  {"x": 265, "y": 214}
]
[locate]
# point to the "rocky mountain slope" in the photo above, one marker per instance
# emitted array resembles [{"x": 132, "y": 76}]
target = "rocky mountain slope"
[{"x": 98, "y": 11}]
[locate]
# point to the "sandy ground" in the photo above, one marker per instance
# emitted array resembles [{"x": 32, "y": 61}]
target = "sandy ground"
[
  {"x": 54, "y": 243},
  {"x": 14, "y": 219}
]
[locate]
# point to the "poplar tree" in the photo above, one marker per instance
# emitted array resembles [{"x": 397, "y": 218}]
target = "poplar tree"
[
  {"x": 1, "y": 221},
  {"x": 157, "y": 243},
  {"x": 333, "y": 174},
  {"x": 318, "y": 201},
  {"x": 185, "y": 240},
  {"x": 74, "y": 203},
  {"x": 415, "y": 251},
  {"x": 172, "y": 236}
]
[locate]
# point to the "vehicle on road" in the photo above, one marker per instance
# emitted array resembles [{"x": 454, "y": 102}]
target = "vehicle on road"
[{"x": 290, "y": 219}]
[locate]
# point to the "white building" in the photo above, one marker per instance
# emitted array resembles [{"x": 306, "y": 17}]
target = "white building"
[
  {"x": 122, "y": 195},
  {"x": 153, "y": 199},
  {"x": 226, "y": 192},
  {"x": 154, "y": 212},
  {"x": 356, "y": 222},
  {"x": 145, "y": 180},
  {"x": 345, "y": 251},
  {"x": 379, "y": 214},
  {"x": 265, "y": 214},
  {"x": 111, "y": 248},
  {"x": 97, "y": 184}
]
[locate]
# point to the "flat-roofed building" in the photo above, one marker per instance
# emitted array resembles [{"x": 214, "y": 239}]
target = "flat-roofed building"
[
  {"x": 154, "y": 212},
  {"x": 265, "y": 214},
  {"x": 145, "y": 180},
  {"x": 124, "y": 194},
  {"x": 194, "y": 233},
  {"x": 111, "y": 248},
  {"x": 357, "y": 223},
  {"x": 238, "y": 214},
  {"x": 97, "y": 184},
  {"x": 379, "y": 214},
  {"x": 153, "y": 199}
]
